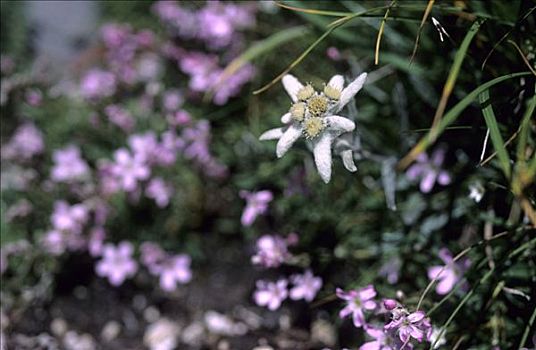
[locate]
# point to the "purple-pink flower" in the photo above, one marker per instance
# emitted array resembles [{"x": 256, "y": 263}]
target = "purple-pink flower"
[
  {"x": 117, "y": 263},
  {"x": 409, "y": 325},
  {"x": 272, "y": 251},
  {"x": 449, "y": 274},
  {"x": 129, "y": 169},
  {"x": 95, "y": 244},
  {"x": 305, "y": 287},
  {"x": 160, "y": 191},
  {"x": 256, "y": 204},
  {"x": 53, "y": 242},
  {"x": 174, "y": 270},
  {"x": 97, "y": 84},
  {"x": 384, "y": 340},
  {"x": 429, "y": 170},
  {"x": 271, "y": 294},
  {"x": 358, "y": 301},
  {"x": 172, "y": 100},
  {"x": 68, "y": 165},
  {"x": 152, "y": 256},
  {"x": 27, "y": 141},
  {"x": 69, "y": 218},
  {"x": 121, "y": 117},
  {"x": 34, "y": 97},
  {"x": 144, "y": 146},
  {"x": 171, "y": 269}
]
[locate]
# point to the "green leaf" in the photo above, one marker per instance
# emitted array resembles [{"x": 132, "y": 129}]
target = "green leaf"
[
  {"x": 496, "y": 138},
  {"x": 261, "y": 47},
  {"x": 453, "y": 114},
  {"x": 524, "y": 130}
]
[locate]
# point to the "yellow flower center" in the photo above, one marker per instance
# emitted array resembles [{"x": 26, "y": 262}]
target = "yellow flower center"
[
  {"x": 297, "y": 111},
  {"x": 331, "y": 92},
  {"x": 318, "y": 105},
  {"x": 313, "y": 126},
  {"x": 305, "y": 92}
]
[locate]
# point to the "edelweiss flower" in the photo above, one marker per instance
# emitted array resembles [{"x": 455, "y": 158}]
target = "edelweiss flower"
[{"x": 313, "y": 116}]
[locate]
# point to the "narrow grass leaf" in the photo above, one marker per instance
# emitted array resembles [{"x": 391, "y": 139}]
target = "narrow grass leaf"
[
  {"x": 423, "y": 21},
  {"x": 495, "y": 134},
  {"x": 453, "y": 74},
  {"x": 380, "y": 32},
  {"x": 262, "y": 47},
  {"x": 451, "y": 116}
]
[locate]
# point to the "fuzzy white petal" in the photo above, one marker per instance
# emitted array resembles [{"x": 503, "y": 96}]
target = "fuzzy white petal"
[
  {"x": 347, "y": 157},
  {"x": 337, "y": 81},
  {"x": 292, "y": 85},
  {"x": 272, "y": 134},
  {"x": 322, "y": 155},
  {"x": 339, "y": 125},
  {"x": 288, "y": 138},
  {"x": 349, "y": 92},
  {"x": 286, "y": 118}
]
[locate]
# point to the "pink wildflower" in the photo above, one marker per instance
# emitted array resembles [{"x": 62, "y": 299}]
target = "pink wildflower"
[
  {"x": 271, "y": 294},
  {"x": 449, "y": 274},
  {"x": 117, "y": 263},
  {"x": 256, "y": 204},
  {"x": 305, "y": 286},
  {"x": 357, "y": 302}
]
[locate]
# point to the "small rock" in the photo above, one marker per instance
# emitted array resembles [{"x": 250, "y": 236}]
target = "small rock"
[
  {"x": 285, "y": 322},
  {"x": 80, "y": 292},
  {"x": 193, "y": 334},
  {"x": 58, "y": 327},
  {"x": 151, "y": 314},
  {"x": 223, "y": 345},
  {"x": 75, "y": 341},
  {"x": 322, "y": 331},
  {"x": 162, "y": 335},
  {"x": 253, "y": 320},
  {"x": 220, "y": 324},
  {"x": 110, "y": 331},
  {"x": 4, "y": 320},
  {"x": 139, "y": 302}
]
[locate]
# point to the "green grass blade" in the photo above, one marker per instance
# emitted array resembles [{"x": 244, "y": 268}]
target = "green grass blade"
[
  {"x": 262, "y": 47},
  {"x": 451, "y": 116},
  {"x": 527, "y": 329},
  {"x": 522, "y": 248},
  {"x": 313, "y": 11},
  {"x": 453, "y": 74},
  {"x": 495, "y": 134},
  {"x": 524, "y": 130},
  {"x": 334, "y": 25}
]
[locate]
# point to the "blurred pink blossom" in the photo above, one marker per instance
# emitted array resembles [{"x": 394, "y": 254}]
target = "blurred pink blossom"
[
  {"x": 68, "y": 165},
  {"x": 174, "y": 269},
  {"x": 117, "y": 263},
  {"x": 305, "y": 287},
  {"x": 129, "y": 169},
  {"x": 271, "y": 294},
  {"x": 429, "y": 170},
  {"x": 95, "y": 243},
  {"x": 256, "y": 204},
  {"x": 26, "y": 142},
  {"x": 271, "y": 251},
  {"x": 69, "y": 218},
  {"x": 358, "y": 301},
  {"x": 448, "y": 275},
  {"x": 97, "y": 84},
  {"x": 119, "y": 116},
  {"x": 160, "y": 191}
]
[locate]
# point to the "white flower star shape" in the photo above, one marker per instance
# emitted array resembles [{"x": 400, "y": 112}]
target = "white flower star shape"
[{"x": 313, "y": 116}]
